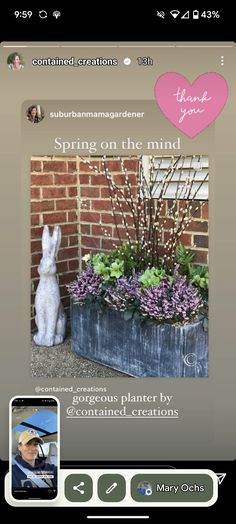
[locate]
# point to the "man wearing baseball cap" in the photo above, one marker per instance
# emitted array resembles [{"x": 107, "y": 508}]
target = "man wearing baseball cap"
[{"x": 29, "y": 470}]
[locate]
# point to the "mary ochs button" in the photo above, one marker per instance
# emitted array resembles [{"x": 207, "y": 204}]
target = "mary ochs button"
[{"x": 176, "y": 487}]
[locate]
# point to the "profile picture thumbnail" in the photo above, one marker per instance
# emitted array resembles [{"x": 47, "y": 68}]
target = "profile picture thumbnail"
[
  {"x": 144, "y": 488},
  {"x": 15, "y": 62},
  {"x": 35, "y": 114}
]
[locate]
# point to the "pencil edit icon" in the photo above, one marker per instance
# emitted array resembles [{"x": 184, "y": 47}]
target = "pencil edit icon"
[{"x": 111, "y": 488}]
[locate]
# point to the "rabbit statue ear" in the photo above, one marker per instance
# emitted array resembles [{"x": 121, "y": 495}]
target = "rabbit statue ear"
[
  {"x": 46, "y": 240},
  {"x": 56, "y": 240}
]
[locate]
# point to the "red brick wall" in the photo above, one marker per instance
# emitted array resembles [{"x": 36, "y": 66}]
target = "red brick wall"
[
  {"x": 54, "y": 201},
  {"x": 73, "y": 193},
  {"x": 96, "y": 221}
]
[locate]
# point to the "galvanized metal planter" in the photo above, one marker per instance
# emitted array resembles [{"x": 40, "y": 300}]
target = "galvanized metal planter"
[{"x": 150, "y": 350}]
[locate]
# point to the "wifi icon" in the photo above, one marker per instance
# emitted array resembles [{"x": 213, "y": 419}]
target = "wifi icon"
[{"x": 174, "y": 13}]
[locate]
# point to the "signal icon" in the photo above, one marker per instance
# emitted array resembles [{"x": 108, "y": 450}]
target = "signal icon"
[
  {"x": 186, "y": 15},
  {"x": 174, "y": 13}
]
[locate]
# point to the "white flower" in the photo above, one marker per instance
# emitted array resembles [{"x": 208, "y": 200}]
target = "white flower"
[{"x": 86, "y": 258}]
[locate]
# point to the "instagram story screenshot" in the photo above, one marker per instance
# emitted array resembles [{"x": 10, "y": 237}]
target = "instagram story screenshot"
[{"x": 117, "y": 261}]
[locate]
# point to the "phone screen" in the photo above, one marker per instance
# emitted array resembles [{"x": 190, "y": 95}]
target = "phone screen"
[
  {"x": 118, "y": 289},
  {"x": 34, "y": 448}
]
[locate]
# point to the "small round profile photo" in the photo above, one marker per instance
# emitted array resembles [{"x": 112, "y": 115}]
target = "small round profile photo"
[
  {"x": 35, "y": 114},
  {"x": 15, "y": 62},
  {"x": 144, "y": 488}
]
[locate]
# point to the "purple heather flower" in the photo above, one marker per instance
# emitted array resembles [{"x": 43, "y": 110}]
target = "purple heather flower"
[
  {"x": 86, "y": 284},
  {"x": 175, "y": 301},
  {"x": 122, "y": 295}
]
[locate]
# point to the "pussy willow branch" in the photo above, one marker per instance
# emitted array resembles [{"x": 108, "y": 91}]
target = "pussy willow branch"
[{"x": 145, "y": 209}]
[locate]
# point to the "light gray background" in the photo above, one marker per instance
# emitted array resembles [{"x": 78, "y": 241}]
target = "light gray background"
[{"x": 206, "y": 428}]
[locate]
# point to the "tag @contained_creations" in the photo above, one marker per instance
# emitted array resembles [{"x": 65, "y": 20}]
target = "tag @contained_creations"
[{"x": 191, "y": 107}]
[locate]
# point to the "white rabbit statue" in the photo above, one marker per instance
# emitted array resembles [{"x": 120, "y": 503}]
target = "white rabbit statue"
[{"x": 50, "y": 315}]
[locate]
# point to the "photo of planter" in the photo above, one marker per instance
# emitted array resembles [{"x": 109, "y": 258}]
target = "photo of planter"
[
  {"x": 135, "y": 289},
  {"x": 164, "y": 350}
]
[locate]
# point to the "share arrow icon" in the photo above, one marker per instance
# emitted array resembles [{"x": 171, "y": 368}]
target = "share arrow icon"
[{"x": 220, "y": 477}]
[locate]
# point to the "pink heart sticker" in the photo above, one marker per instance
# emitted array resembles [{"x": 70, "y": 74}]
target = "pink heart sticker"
[{"x": 191, "y": 107}]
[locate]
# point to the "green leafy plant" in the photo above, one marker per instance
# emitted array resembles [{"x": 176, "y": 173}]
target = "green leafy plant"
[
  {"x": 153, "y": 277},
  {"x": 184, "y": 257},
  {"x": 127, "y": 253},
  {"x": 109, "y": 267},
  {"x": 199, "y": 276}
]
